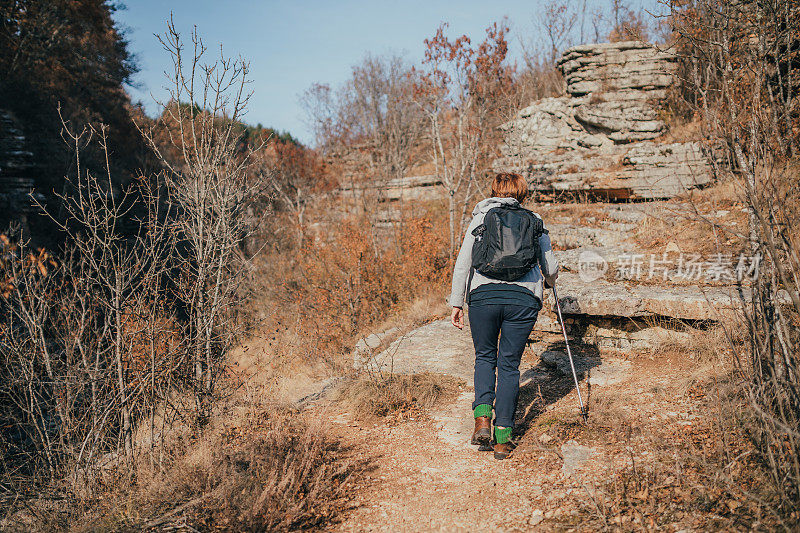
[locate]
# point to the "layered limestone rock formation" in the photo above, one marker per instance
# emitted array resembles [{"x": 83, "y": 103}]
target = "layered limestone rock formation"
[
  {"x": 409, "y": 188},
  {"x": 16, "y": 168},
  {"x": 620, "y": 80},
  {"x": 602, "y": 136},
  {"x": 641, "y": 297}
]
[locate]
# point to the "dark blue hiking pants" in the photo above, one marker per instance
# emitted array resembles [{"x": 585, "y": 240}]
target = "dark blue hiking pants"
[{"x": 513, "y": 325}]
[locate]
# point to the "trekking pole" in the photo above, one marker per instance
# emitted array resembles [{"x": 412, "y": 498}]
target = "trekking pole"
[{"x": 584, "y": 414}]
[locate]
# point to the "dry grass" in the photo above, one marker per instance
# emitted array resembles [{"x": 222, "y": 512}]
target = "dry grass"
[
  {"x": 579, "y": 213},
  {"x": 693, "y": 235},
  {"x": 606, "y": 409},
  {"x": 701, "y": 346},
  {"x": 679, "y": 131},
  {"x": 390, "y": 394},
  {"x": 272, "y": 472},
  {"x": 277, "y": 475},
  {"x": 658, "y": 473},
  {"x": 659, "y": 470},
  {"x": 725, "y": 194},
  {"x": 704, "y": 474},
  {"x": 715, "y": 223},
  {"x": 423, "y": 309}
]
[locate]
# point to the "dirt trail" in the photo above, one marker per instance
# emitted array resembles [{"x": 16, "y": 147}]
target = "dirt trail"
[{"x": 428, "y": 477}]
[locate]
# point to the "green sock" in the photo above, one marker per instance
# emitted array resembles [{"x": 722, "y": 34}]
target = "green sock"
[
  {"x": 483, "y": 410},
  {"x": 502, "y": 435}
]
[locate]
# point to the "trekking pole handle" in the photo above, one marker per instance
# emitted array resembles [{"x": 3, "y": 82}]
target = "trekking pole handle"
[{"x": 569, "y": 354}]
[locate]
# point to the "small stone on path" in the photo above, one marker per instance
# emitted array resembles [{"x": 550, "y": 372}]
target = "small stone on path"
[{"x": 575, "y": 456}]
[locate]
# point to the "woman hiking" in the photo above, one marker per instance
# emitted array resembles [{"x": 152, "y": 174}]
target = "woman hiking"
[{"x": 503, "y": 281}]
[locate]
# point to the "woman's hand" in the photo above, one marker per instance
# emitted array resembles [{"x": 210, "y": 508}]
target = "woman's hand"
[{"x": 457, "y": 317}]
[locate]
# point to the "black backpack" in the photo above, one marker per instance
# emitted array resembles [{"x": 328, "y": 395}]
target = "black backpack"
[{"x": 507, "y": 243}]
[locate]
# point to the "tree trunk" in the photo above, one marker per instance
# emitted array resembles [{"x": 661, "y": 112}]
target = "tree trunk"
[
  {"x": 451, "y": 211},
  {"x": 123, "y": 393}
]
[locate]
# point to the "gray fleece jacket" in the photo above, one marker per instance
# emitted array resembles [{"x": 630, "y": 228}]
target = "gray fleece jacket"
[{"x": 533, "y": 281}]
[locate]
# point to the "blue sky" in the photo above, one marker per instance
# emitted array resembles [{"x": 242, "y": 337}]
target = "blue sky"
[{"x": 292, "y": 44}]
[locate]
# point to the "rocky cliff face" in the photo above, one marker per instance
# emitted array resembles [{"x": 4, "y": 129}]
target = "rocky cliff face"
[
  {"x": 602, "y": 136},
  {"x": 16, "y": 170}
]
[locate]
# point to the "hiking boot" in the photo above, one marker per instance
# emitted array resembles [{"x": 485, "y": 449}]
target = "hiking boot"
[
  {"x": 503, "y": 450},
  {"x": 483, "y": 431}
]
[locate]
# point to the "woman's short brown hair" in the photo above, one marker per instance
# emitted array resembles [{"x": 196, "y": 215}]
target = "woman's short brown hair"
[{"x": 508, "y": 185}]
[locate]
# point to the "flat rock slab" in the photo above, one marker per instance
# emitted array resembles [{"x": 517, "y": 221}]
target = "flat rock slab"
[
  {"x": 440, "y": 348},
  {"x": 575, "y": 259},
  {"x": 435, "y": 347},
  {"x": 646, "y": 338},
  {"x": 570, "y": 236}
]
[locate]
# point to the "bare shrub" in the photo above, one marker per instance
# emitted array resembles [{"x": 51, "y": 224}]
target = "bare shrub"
[
  {"x": 372, "y": 116},
  {"x": 538, "y": 79},
  {"x": 112, "y": 336},
  {"x": 113, "y": 354},
  {"x": 86, "y": 342},
  {"x": 209, "y": 183},
  {"x": 350, "y": 288},
  {"x": 772, "y": 318},
  {"x": 382, "y": 110},
  {"x": 315, "y": 301},
  {"x": 374, "y": 106},
  {"x": 557, "y": 21},
  {"x": 626, "y": 23},
  {"x": 298, "y": 178},
  {"x": 741, "y": 77}
]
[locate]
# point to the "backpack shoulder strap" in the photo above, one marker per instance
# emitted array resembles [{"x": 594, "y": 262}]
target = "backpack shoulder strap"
[
  {"x": 538, "y": 223},
  {"x": 469, "y": 282}
]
